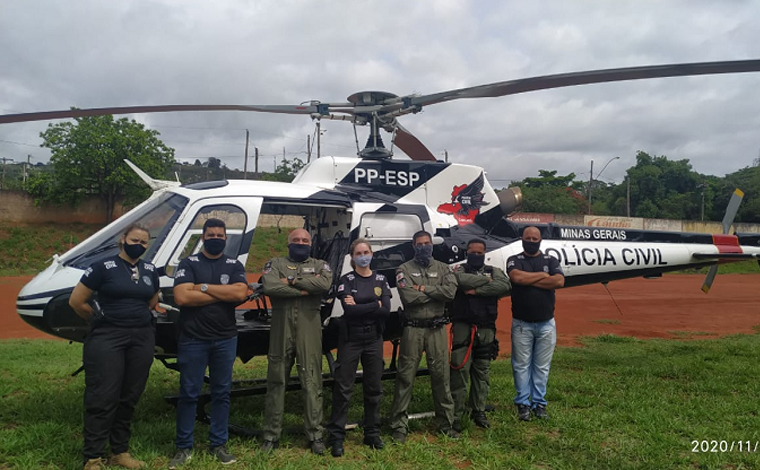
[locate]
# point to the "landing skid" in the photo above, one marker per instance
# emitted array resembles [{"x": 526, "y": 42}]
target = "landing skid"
[{"x": 244, "y": 388}]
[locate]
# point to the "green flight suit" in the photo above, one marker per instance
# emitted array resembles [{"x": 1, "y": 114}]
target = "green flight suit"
[
  {"x": 296, "y": 334},
  {"x": 491, "y": 285},
  {"x": 440, "y": 287}
]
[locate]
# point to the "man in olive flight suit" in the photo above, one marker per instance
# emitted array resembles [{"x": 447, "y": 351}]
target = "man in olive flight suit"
[
  {"x": 295, "y": 285},
  {"x": 473, "y": 316},
  {"x": 424, "y": 285}
]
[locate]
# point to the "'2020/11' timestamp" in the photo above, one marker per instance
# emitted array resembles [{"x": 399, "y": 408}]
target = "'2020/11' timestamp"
[{"x": 706, "y": 445}]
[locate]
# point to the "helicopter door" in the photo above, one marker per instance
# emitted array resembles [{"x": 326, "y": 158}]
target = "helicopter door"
[{"x": 240, "y": 214}]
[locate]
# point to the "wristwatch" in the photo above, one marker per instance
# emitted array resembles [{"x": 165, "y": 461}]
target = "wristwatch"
[
  {"x": 290, "y": 280},
  {"x": 204, "y": 287}
]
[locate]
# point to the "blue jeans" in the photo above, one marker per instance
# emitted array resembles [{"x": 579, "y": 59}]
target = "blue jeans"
[
  {"x": 532, "y": 350},
  {"x": 193, "y": 355}
]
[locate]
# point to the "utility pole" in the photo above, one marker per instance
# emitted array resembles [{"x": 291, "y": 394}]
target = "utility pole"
[
  {"x": 446, "y": 156},
  {"x": 5, "y": 162},
  {"x": 26, "y": 166},
  {"x": 256, "y": 161},
  {"x": 590, "y": 179},
  {"x": 319, "y": 139},
  {"x": 308, "y": 148},
  {"x": 628, "y": 197},
  {"x": 245, "y": 163}
]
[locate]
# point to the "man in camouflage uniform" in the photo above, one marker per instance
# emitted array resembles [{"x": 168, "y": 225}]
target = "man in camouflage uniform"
[
  {"x": 473, "y": 314},
  {"x": 425, "y": 285},
  {"x": 295, "y": 284}
]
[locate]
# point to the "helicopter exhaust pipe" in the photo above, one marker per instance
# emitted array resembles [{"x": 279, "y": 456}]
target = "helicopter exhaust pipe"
[{"x": 510, "y": 200}]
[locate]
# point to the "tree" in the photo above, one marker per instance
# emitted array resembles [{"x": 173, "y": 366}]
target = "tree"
[
  {"x": 285, "y": 171},
  {"x": 550, "y": 193},
  {"x": 88, "y": 159}
]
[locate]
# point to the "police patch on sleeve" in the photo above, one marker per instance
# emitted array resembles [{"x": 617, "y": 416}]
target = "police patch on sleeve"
[
  {"x": 400, "y": 280},
  {"x": 341, "y": 288},
  {"x": 267, "y": 267},
  {"x": 179, "y": 274},
  {"x": 326, "y": 267}
]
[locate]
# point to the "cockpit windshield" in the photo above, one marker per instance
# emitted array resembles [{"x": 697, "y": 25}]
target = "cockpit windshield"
[{"x": 157, "y": 215}]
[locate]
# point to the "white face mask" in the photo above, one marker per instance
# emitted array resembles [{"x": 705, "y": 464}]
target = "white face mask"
[{"x": 363, "y": 260}]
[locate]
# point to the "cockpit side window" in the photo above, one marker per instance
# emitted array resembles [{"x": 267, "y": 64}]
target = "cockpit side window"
[
  {"x": 192, "y": 241},
  {"x": 157, "y": 215}
]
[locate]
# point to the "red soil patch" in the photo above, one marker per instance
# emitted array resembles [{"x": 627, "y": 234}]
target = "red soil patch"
[{"x": 650, "y": 309}]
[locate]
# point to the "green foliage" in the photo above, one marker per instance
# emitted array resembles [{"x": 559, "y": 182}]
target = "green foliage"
[
  {"x": 88, "y": 158},
  {"x": 285, "y": 171},
  {"x": 550, "y": 193},
  {"x": 27, "y": 249}
]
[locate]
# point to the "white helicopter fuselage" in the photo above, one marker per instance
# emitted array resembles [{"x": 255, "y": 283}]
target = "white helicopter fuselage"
[{"x": 340, "y": 199}]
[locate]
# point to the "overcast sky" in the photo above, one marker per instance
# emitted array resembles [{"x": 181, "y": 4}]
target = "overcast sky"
[{"x": 57, "y": 54}]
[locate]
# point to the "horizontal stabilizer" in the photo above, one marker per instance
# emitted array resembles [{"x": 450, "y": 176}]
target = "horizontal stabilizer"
[{"x": 154, "y": 184}]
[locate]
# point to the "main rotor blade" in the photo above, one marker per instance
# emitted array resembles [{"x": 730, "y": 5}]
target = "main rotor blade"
[
  {"x": 732, "y": 209},
  {"x": 513, "y": 87},
  {"x": 411, "y": 145},
  {"x": 75, "y": 113}
]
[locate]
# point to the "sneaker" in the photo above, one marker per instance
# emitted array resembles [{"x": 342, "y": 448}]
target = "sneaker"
[
  {"x": 95, "y": 464},
  {"x": 399, "y": 436},
  {"x": 374, "y": 442},
  {"x": 125, "y": 460},
  {"x": 540, "y": 412},
  {"x": 450, "y": 433},
  {"x": 480, "y": 419},
  {"x": 224, "y": 456},
  {"x": 269, "y": 446},
  {"x": 523, "y": 412},
  {"x": 180, "y": 458},
  {"x": 336, "y": 449},
  {"x": 317, "y": 446}
]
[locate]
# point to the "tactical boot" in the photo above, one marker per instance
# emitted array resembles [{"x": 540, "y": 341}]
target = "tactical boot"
[
  {"x": 450, "y": 433},
  {"x": 317, "y": 447},
  {"x": 336, "y": 449},
  {"x": 523, "y": 412},
  {"x": 480, "y": 420},
  {"x": 125, "y": 460},
  {"x": 269, "y": 446},
  {"x": 95, "y": 464},
  {"x": 399, "y": 436},
  {"x": 457, "y": 426},
  {"x": 374, "y": 442}
]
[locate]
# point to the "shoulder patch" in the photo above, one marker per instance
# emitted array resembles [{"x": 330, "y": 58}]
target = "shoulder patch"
[
  {"x": 267, "y": 267},
  {"x": 350, "y": 277},
  {"x": 231, "y": 260},
  {"x": 341, "y": 288},
  {"x": 326, "y": 267},
  {"x": 193, "y": 258},
  {"x": 379, "y": 277},
  {"x": 149, "y": 267},
  {"x": 110, "y": 264},
  {"x": 180, "y": 273},
  {"x": 88, "y": 272}
]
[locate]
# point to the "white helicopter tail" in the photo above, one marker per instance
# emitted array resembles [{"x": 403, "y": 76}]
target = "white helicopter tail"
[{"x": 154, "y": 184}]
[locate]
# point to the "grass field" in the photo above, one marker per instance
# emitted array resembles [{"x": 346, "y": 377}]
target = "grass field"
[{"x": 617, "y": 403}]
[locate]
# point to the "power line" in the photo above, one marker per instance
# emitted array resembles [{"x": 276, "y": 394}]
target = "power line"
[{"x": 18, "y": 143}]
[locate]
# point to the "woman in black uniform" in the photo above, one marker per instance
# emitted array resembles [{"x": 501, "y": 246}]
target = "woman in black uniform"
[
  {"x": 118, "y": 350},
  {"x": 366, "y": 299}
]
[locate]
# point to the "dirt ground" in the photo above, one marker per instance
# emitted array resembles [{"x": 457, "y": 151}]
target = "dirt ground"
[{"x": 669, "y": 307}]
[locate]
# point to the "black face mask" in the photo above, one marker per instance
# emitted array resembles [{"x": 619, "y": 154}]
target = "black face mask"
[
  {"x": 476, "y": 261},
  {"x": 531, "y": 248},
  {"x": 423, "y": 254},
  {"x": 298, "y": 252},
  {"x": 134, "y": 251},
  {"x": 214, "y": 246}
]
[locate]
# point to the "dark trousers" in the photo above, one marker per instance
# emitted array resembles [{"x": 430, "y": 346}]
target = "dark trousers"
[
  {"x": 365, "y": 344},
  {"x": 116, "y": 366},
  {"x": 193, "y": 355}
]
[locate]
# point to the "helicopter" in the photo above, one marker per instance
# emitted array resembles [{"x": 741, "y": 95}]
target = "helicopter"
[{"x": 377, "y": 197}]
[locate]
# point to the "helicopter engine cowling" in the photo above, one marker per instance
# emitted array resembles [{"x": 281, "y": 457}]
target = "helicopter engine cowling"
[{"x": 510, "y": 200}]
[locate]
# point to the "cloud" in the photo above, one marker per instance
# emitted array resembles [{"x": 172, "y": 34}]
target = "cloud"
[{"x": 92, "y": 54}]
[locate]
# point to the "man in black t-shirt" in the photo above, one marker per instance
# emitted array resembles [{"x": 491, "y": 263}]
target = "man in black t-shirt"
[
  {"x": 534, "y": 277},
  {"x": 207, "y": 287}
]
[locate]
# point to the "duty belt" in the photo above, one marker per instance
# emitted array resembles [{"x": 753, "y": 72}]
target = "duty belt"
[{"x": 431, "y": 323}]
